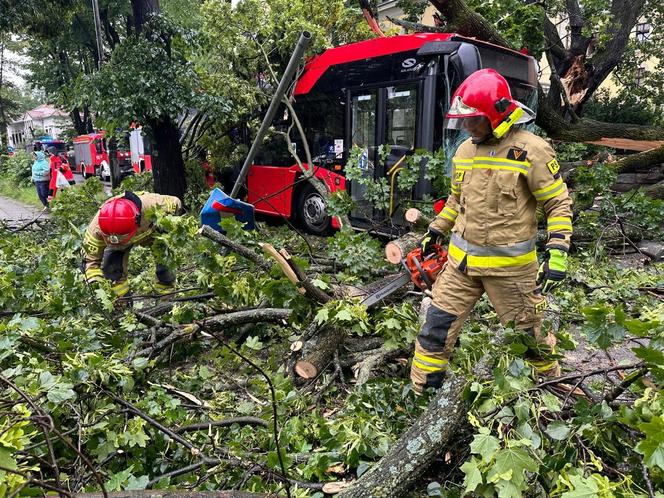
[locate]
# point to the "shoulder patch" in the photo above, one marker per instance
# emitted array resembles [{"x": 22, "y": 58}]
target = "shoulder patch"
[
  {"x": 517, "y": 154},
  {"x": 553, "y": 166}
]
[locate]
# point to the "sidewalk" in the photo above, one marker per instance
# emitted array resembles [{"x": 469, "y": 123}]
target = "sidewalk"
[{"x": 17, "y": 211}]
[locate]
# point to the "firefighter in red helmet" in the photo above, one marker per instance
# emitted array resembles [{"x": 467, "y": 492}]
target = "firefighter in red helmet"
[
  {"x": 118, "y": 226},
  {"x": 500, "y": 175}
]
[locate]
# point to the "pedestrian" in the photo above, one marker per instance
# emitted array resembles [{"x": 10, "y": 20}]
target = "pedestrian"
[
  {"x": 119, "y": 225},
  {"x": 59, "y": 171},
  {"x": 41, "y": 174},
  {"x": 501, "y": 174}
]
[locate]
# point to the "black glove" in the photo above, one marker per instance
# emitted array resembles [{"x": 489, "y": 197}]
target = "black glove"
[{"x": 430, "y": 239}]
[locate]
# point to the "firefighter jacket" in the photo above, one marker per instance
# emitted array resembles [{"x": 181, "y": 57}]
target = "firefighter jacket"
[
  {"x": 94, "y": 244},
  {"x": 496, "y": 189}
]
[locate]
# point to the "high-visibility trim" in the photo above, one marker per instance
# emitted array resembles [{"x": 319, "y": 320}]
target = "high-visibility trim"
[
  {"x": 559, "y": 224},
  {"x": 523, "y": 168},
  {"x": 546, "y": 193},
  {"x": 93, "y": 242},
  {"x": 501, "y": 160},
  {"x": 520, "y": 254},
  {"x": 456, "y": 190},
  {"x": 162, "y": 288},
  {"x": 139, "y": 238},
  {"x": 430, "y": 360},
  {"x": 449, "y": 214},
  {"x": 429, "y": 363},
  {"x": 120, "y": 288},
  {"x": 93, "y": 274},
  {"x": 542, "y": 366}
]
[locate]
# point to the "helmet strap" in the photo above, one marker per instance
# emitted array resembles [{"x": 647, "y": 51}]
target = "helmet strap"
[
  {"x": 508, "y": 122},
  {"x": 137, "y": 202}
]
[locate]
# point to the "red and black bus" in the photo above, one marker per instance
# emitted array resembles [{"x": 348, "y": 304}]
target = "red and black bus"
[{"x": 392, "y": 91}]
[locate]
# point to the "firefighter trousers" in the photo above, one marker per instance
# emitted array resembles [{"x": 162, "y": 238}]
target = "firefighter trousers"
[
  {"x": 115, "y": 266},
  {"x": 515, "y": 299}
]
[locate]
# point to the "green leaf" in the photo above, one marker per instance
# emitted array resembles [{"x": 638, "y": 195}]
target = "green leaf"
[
  {"x": 323, "y": 315},
  {"x": 136, "y": 483},
  {"x": 473, "y": 475},
  {"x": 649, "y": 354},
  {"x": 652, "y": 447},
  {"x": 513, "y": 462},
  {"x": 484, "y": 444},
  {"x": 321, "y": 284},
  {"x": 583, "y": 487},
  {"x": 344, "y": 316},
  {"x": 557, "y": 430},
  {"x": 253, "y": 342}
]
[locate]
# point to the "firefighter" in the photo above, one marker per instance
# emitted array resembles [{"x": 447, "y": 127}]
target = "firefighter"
[
  {"x": 119, "y": 225},
  {"x": 500, "y": 175}
]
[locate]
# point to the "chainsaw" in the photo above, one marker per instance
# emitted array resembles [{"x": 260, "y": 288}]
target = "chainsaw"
[{"x": 421, "y": 271}]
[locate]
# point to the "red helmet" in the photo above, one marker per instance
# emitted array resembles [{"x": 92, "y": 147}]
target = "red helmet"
[
  {"x": 486, "y": 93},
  {"x": 119, "y": 219}
]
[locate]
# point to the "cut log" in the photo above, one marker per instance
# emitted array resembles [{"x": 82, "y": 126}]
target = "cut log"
[
  {"x": 416, "y": 218},
  {"x": 281, "y": 261},
  {"x": 397, "y": 249},
  {"x": 318, "y": 352}
]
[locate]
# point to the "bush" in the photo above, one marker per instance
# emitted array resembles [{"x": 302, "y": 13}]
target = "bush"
[{"x": 18, "y": 168}]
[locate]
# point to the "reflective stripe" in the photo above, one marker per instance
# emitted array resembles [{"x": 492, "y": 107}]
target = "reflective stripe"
[
  {"x": 428, "y": 363},
  {"x": 546, "y": 193},
  {"x": 448, "y": 213},
  {"x": 559, "y": 224},
  {"x": 542, "y": 366},
  {"x": 519, "y": 254},
  {"x": 163, "y": 288},
  {"x": 430, "y": 360},
  {"x": 519, "y": 167},
  {"x": 514, "y": 250},
  {"x": 120, "y": 288},
  {"x": 142, "y": 236},
  {"x": 94, "y": 272},
  {"x": 92, "y": 242},
  {"x": 456, "y": 190}
]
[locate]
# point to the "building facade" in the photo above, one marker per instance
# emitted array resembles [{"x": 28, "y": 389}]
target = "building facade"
[{"x": 29, "y": 126}]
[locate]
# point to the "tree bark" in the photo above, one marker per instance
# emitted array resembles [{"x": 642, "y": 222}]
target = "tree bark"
[
  {"x": 141, "y": 10},
  {"x": 655, "y": 191},
  {"x": 412, "y": 454},
  {"x": 318, "y": 353},
  {"x": 172, "y": 493},
  {"x": 638, "y": 162},
  {"x": 167, "y": 163}
]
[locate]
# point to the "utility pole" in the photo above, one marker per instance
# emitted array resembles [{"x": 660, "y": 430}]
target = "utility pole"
[{"x": 100, "y": 48}]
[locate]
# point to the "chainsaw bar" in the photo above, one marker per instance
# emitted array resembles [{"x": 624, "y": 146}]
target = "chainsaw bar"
[{"x": 387, "y": 289}]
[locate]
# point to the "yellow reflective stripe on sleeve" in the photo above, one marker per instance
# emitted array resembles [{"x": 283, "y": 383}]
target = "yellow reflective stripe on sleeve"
[
  {"x": 120, "y": 288},
  {"x": 92, "y": 241},
  {"x": 456, "y": 190},
  {"x": 94, "y": 272},
  {"x": 559, "y": 224},
  {"x": 449, "y": 214},
  {"x": 140, "y": 237},
  {"x": 546, "y": 193}
]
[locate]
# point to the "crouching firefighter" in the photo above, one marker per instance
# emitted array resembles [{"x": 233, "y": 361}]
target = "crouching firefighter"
[
  {"x": 500, "y": 175},
  {"x": 119, "y": 225}
]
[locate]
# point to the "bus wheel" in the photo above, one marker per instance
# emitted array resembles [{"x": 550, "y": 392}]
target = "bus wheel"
[
  {"x": 312, "y": 212},
  {"x": 83, "y": 173}
]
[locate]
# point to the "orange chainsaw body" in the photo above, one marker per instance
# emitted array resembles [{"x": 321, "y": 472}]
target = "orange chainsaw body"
[{"x": 423, "y": 271}]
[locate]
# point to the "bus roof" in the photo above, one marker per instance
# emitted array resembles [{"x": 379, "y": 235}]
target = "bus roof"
[{"x": 377, "y": 47}]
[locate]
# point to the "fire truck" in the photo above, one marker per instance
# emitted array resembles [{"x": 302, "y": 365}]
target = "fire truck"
[
  {"x": 391, "y": 91},
  {"x": 141, "y": 158},
  {"x": 91, "y": 157}
]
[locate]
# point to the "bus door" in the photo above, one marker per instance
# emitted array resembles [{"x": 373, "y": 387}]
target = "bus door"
[
  {"x": 363, "y": 119},
  {"x": 401, "y": 137}
]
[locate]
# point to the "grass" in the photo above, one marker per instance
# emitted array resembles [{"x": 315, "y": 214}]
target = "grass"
[{"x": 28, "y": 195}]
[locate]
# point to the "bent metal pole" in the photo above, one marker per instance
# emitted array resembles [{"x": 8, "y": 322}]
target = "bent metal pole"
[{"x": 302, "y": 44}]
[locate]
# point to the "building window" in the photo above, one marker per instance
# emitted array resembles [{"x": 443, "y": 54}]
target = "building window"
[
  {"x": 643, "y": 31},
  {"x": 640, "y": 75}
]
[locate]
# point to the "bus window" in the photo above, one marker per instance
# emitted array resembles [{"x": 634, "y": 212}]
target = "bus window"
[
  {"x": 401, "y": 117},
  {"x": 99, "y": 146},
  {"x": 322, "y": 117},
  {"x": 364, "y": 120}
]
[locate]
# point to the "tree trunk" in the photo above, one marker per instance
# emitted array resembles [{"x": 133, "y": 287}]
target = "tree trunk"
[
  {"x": 397, "y": 249},
  {"x": 412, "y": 454},
  {"x": 141, "y": 10},
  {"x": 656, "y": 191},
  {"x": 638, "y": 162},
  {"x": 167, "y": 163},
  {"x": 319, "y": 352}
]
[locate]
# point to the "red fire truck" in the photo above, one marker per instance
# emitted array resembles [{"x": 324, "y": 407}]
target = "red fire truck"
[
  {"x": 385, "y": 91},
  {"x": 141, "y": 159},
  {"x": 91, "y": 156}
]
